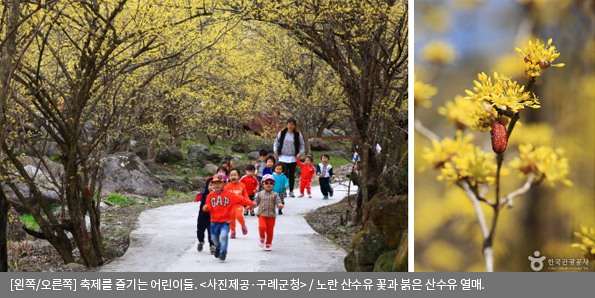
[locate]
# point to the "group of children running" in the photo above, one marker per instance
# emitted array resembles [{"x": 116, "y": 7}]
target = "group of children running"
[{"x": 228, "y": 198}]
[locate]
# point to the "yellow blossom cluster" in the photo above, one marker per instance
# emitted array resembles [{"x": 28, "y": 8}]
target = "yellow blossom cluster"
[
  {"x": 465, "y": 113},
  {"x": 459, "y": 159},
  {"x": 545, "y": 162},
  {"x": 587, "y": 236},
  {"x": 422, "y": 93},
  {"x": 539, "y": 56},
  {"x": 475, "y": 164},
  {"x": 503, "y": 93},
  {"x": 439, "y": 52}
]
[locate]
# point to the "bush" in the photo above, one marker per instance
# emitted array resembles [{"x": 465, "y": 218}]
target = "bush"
[{"x": 120, "y": 200}]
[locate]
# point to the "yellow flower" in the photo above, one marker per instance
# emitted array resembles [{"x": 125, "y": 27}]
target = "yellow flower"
[
  {"x": 465, "y": 113},
  {"x": 422, "y": 93},
  {"x": 503, "y": 93},
  {"x": 587, "y": 236},
  {"x": 439, "y": 52},
  {"x": 539, "y": 56},
  {"x": 442, "y": 152},
  {"x": 474, "y": 163},
  {"x": 544, "y": 161}
]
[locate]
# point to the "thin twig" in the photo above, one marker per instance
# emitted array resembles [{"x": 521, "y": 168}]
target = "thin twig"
[
  {"x": 508, "y": 199},
  {"x": 425, "y": 131}
]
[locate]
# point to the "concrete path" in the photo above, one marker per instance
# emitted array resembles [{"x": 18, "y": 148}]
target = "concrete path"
[{"x": 165, "y": 241}]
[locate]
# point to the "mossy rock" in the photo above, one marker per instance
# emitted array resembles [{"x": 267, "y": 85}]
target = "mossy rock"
[
  {"x": 390, "y": 215},
  {"x": 368, "y": 245},
  {"x": 402, "y": 258},
  {"x": 386, "y": 262},
  {"x": 351, "y": 262}
]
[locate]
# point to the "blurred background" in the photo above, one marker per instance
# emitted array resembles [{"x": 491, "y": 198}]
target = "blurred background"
[{"x": 456, "y": 40}]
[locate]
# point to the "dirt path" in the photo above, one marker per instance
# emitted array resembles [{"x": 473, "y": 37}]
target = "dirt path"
[{"x": 165, "y": 241}]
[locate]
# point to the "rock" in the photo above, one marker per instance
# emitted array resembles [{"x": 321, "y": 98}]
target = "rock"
[
  {"x": 242, "y": 168},
  {"x": 385, "y": 262},
  {"x": 103, "y": 206},
  {"x": 351, "y": 262},
  {"x": 240, "y": 147},
  {"x": 75, "y": 267},
  {"x": 390, "y": 215},
  {"x": 320, "y": 145},
  {"x": 402, "y": 258},
  {"x": 236, "y": 157},
  {"x": 339, "y": 153},
  {"x": 186, "y": 171},
  {"x": 197, "y": 148},
  {"x": 222, "y": 149},
  {"x": 164, "y": 173},
  {"x": 204, "y": 158},
  {"x": 142, "y": 152},
  {"x": 125, "y": 172},
  {"x": 253, "y": 155},
  {"x": 328, "y": 133},
  {"x": 181, "y": 184},
  {"x": 54, "y": 153},
  {"x": 151, "y": 165},
  {"x": 110, "y": 252},
  {"x": 368, "y": 245},
  {"x": 42, "y": 180},
  {"x": 133, "y": 143},
  {"x": 210, "y": 169},
  {"x": 266, "y": 146},
  {"x": 169, "y": 155}
]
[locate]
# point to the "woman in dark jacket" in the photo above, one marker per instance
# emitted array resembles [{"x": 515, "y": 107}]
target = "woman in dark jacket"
[{"x": 289, "y": 146}]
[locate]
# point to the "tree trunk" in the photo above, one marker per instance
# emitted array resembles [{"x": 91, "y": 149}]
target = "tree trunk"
[
  {"x": 8, "y": 52},
  {"x": 3, "y": 226}
]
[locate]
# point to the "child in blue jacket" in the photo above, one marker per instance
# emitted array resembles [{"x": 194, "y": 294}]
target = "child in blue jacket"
[{"x": 281, "y": 183}]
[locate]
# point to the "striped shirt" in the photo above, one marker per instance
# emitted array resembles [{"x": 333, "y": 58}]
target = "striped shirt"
[{"x": 267, "y": 203}]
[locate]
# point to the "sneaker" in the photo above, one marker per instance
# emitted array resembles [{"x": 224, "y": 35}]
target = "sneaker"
[
  {"x": 280, "y": 212},
  {"x": 310, "y": 196},
  {"x": 200, "y": 245},
  {"x": 261, "y": 242},
  {"x": 325, "y": 197},
  {"x": 291, "y": 194},
  {"x": 213, "y": 249},
  {"x": 252, "y": 213},
  {"x": 331, "y": 194},
  {"x": 216, "y": 252},
  {"x": 301, "y": 195},
  {"x": 245, "y": 212},
  {"x": 244, "y": 230},
  {"x": 268, "y": 247},
  {"x": 222, "y": 257},
  {"x": 233, "y": 235}
]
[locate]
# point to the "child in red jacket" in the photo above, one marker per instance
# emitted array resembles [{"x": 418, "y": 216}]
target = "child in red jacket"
[
  {"x": 251, "y": 183},
  {"x": 220, "y": 202},
  {"x": 307, "y": 172}
]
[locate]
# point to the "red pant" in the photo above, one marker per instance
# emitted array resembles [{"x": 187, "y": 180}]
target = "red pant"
[
  {"x": 266, "y": 225},
  {"x": 306, "y": 185},
  {"x": 237, "y": 213}
]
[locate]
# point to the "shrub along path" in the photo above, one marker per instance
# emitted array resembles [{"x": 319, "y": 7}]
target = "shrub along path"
[{"x": 165, "y": 241}]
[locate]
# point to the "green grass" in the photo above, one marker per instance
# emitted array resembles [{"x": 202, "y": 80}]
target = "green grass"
[
  {"x": 120, "y": 200},
  {"x": 172, "y": 193},
  {"x": 29, "y": 221}
]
